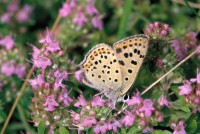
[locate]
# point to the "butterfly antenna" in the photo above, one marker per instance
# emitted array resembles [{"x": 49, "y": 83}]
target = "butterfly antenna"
[{"x": 180, "y": 63}]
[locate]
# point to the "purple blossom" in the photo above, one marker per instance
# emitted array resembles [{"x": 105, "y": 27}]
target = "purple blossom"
[
  {"x": 42, "y": 62},
  {"x": 61, "y": 75},
  {"x": 128, "y": 119},
  {"x": 36, "y": 52},
  {"x": 39, "y": 81},
  {"x": 81, "y": 102},
  {"x": 79, "y": 75},
  {"x": 114, "y": 125},
  {"x": 89, "y": 121},
  {"x": 179, "y": 49},
  {"x": 162, "y": 101},
  {"x": 52, "y": 45},
  {"x": 197, "y": 79},
  {"x": 179, "y": 129},
  {"x": 147, "y": 107},
  {"x": 65, "y": 10},
  {"x": 6, "y": 18},
  {"x": 80, "y": 18},
  {"x": 8, "y": 68},
  {"x": 20, "y": 70},
  {"x": 97, "y": 101},
  {"x": 96, "y": 21},
  {"x": 13, "y": 6},
  {"x": 147, "y": 130},
  {"x": 23, "y": 15},
  {"x": 91, "y": 9},
  {"x": 50, "y": 103},
  {"x": 72, "y": 3},
  {"x": 186, "y": 89},
  {"x": 64, "y": 97},
  {"x": 136, "y": 99},
  {"x": 101, "y": 127},
  {"x": 7, "y": 42}
]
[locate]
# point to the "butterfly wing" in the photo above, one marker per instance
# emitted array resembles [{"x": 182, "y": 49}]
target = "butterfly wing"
[
  {"x": 130, "y": 53},
  {"x": 101, "y": 69}
]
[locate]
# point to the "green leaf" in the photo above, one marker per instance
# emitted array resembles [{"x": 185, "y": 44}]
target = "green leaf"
[
  {"x": 191, "y": 125},
  {"x": 41, "y": 127},
  {"x": 2, "y": 116},
  {"x": 161, "y": 132},
  {"x": 180, "y": 104},
  {"x": 134, "y": 130},
  {"x": 63, "y": 130},
  {"x": 90, "y": 131}
]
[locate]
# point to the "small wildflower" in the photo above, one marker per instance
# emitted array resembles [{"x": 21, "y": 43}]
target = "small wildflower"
[
  {"x": 96, "y": 21},
  {"x": 64, "y": 97},
  {"x": 80, "y": 18},
  {"x": 147, "y": 107},
  {"x": 7, "y": 42},
  {"x": 65, "y": 10},
  {"x": 89, "y": 121},
  {"x": 20, "y": 70},
  {"x": 100, "y": 127},
  {"x": 114, "y": 125},
  {"x": 91, "y": 9},
  {"x": 197, "y": 79},
  {"x": 186, "y": 89},
  {"x": 13, "y": 6},
  {"x": 8, "y": 68},
  {"x": 6, "y": 18},
  {"x": 23, "y": 15},
  {"x": 39, "y": 81},
  {"x": 97, "y": 101},
  {"x": 128, "y": 119},
  {"x": 136, "y": 99},
  {"x": 162, "y": 101},
  {"x": 79, "y": 75},
  {"x": 50, "y": 103},
  {"x": 81, "y": 102},
  {"x": 179, "y": 129},
  {"x": 42, "y": 62},
  {"x": 147, "y": 130}
]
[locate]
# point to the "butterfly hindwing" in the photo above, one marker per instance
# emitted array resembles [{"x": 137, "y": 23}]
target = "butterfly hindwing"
[
  {"x": 101, "y": 69},
  {"x": 130, "y": 53}
]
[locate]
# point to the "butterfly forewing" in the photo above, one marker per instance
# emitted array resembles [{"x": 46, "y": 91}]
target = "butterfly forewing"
[
  {"x": 130, "y": 53},
  {"x": 101, "y": 69}
]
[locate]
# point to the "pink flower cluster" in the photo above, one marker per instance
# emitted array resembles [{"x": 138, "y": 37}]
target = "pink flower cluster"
[
  {"x": 82, "y": 14},
  {"x": 10, "y": 67},
  {"x": 157, "y": 30},
  {"x": 192, "y": 92},
  {"x": 182, "y": 46},
  {"x": 13, "y": 10},
  {"x": 94, "y": 114},
  {"x": 7, "y": 42}
]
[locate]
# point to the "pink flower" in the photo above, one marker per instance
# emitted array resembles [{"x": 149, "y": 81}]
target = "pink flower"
[
  {"x": 51, "y": 44},
  {"x": 128, "y": 119},
  {"x": 88, "y": 121},
  {"x": 13, "y": 6},
  {"x": 186, "y": 89},
  {"x": 42, "y": 62},
  {"x": 97, "y": 23},
  {"x": 20, "y": 70},
  {"x": 7, "y": 42},
  {"x": 36, "y": 52},
  {"x": 179, "y": 48},
  {"x": 8, "y": 68},
  {"x": 197, "y": 79},
  {"x": 6, "y": 18},
  {"x": 79, "y": 75},
  {"x": 65, "y": 10},
  {"x": 50, "y": 103},
  {"x": 61, "y": 75},
  {"x": 179, "y": 129},
  {"x": 136, "y": 99},
  {"x": 23, "y": 15},
  {"x": 81, "y": 102},
  {"x": 91, "y": 9},
  {"x": 64, "y": 97},
  {"x": 163, "y": 101},
  {"x": 101, "y": 127},
  {"x": 147, "y": 107},
  {"x": 114, "y": 125},
  {"x": 39, "y": 81},
  {"x": 80, "y": 18},
  {"x": 97, "y": 101}
]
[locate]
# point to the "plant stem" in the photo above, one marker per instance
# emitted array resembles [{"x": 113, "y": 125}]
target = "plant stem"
[
  {"x": 124, "y": 20},
  {"x": 25, "y": 84}
]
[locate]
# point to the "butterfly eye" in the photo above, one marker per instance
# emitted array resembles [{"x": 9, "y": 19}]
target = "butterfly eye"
[{"x": 126, "y": 97}]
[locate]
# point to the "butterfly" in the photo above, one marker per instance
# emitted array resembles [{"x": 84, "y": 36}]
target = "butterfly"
[{"x": 113, "y": 70}]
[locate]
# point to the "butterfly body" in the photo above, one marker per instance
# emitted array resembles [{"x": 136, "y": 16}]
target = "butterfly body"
[{"x": 113, "y": 70}]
